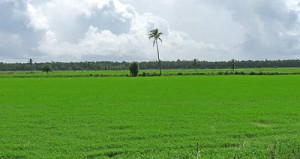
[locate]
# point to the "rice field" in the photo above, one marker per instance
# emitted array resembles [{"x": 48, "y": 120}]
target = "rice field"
[{"x": 150, "y": 117}]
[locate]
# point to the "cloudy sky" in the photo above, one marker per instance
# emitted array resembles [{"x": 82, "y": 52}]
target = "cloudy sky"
[{"x": 117, "y": 30}]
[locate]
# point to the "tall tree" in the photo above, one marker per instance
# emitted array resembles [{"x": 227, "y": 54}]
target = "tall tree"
[
  {"x": 155, "y": 34},
  {"x": 30, "y": 62},
  {"x": 232, "y": 65},
  {"x": 195, "y": 64}
]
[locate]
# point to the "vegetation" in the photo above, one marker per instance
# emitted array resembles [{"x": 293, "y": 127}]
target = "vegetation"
[
  {"x": 168, "y": 72},
  {"x": 98, "y": 118},
  {"x": 195, "y": 64},
  {"x": 155, "y": 34},
  {"x": 134, "y": 69},
  {"x": 46, "y": 68},
  {"x": 179, "y": 64},
  {"x": 30, "y": 62},
  {"x": 232, "y": 65}
]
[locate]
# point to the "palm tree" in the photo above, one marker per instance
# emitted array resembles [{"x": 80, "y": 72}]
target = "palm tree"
[
  {"x": 232, "y": 65},
  {"x": 155, "y": 34}
]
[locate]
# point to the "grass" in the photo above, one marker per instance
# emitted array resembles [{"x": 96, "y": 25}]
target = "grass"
[
  {"x": 153, "y": 117},
  {"x": 39, "y": 74}
]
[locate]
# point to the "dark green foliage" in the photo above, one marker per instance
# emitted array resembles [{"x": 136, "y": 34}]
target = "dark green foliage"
[
  {"x": 252, "y": 73},
  {"x": 144, "y": 74},
  {"x": 30, "y": 62},
  {"x": 179, "y": 64},
  {"x": 134, "y": 69},
  {"x": 195, "y": 64},
  {"x": 47, "y": 68},
  {"x": 232, "y": 62}
]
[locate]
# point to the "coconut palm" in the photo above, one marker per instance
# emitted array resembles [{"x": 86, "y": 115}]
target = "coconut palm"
[
  {"x": 232, "y": 65},
  {"x": 155, "y": 34}
]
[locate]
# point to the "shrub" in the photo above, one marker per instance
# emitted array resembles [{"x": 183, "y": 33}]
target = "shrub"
[
  {"x": 134, "y": 69},
  {"x": 260, "y": 73},
  {"x": 252, "y": 73},
  {"x": 243, "y": 73},
  {"x": 144, "y": 74}
]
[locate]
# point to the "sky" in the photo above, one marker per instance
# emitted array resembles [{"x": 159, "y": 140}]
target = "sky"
[{"x": 117, "y": 30}]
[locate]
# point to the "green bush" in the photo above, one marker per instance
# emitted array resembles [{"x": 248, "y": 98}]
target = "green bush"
[
  {"x": 134, "y": 69},
  {"x": 260, "y": 73},
  {"x": 144, "y": 74},
  {"x": 252, "y": 73},
  {"x": 46, "y": 68}
]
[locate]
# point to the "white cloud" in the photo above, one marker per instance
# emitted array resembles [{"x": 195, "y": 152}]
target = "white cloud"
[
  {"x": 7, "y": 39},
  {"x": 249, "y": 29},
  {"x": 74, "y": 30},
  {"x": 265, "y": 24},
  {"x": 37, "y": 20},
  {"x": 293, "y": 4}
]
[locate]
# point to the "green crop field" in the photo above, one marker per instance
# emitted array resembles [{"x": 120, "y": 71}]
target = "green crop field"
[
  {"x": 38, "y": 74},
  {"x": 151, "y": 117}
]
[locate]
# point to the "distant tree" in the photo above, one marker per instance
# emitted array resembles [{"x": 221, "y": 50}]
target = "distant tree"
[
  {"x": 30, "y": 62},
  {"x": 232, "y": 65},
  {"x": 46, "y": 68},
  {"x": 195, "y": 64},
  {"x": 176, "y": 64},
  {"x": 155, "y": 34},
  {"x": 134, "y": 69}
]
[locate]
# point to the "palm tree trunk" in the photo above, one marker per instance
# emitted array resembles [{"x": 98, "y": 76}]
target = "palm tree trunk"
[{"x": 159, "y": 62}]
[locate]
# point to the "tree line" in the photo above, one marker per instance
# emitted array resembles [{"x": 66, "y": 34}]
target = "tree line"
[{"x": 179, "y": 64}]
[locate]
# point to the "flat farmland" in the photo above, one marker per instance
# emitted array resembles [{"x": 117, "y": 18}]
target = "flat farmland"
[
  {"x": 165, "y": 72},
  {"x": 151, "y": 117}
]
